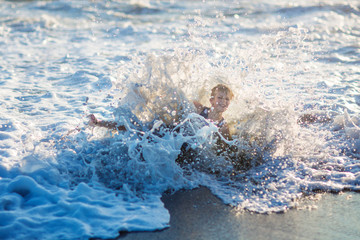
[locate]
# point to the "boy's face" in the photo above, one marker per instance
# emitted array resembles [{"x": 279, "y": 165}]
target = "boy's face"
[{"x": 220, "y": 102}]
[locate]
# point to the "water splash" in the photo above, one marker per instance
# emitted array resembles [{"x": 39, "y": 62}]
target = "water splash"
[{"x": 280, "y": 60}]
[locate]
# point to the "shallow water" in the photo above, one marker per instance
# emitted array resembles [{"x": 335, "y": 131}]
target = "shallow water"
[
  {"x": 197, "y": 214},
  {"x": 140, "y": 62}
]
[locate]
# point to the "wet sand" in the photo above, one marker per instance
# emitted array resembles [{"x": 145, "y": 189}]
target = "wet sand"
[{"x": 198, "y": 214}]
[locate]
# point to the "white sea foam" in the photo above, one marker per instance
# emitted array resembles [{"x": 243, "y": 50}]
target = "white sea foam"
[{"x": 142, "y": 64}]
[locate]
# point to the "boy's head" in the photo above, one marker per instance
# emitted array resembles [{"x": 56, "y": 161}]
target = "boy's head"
[
  {"x": 221, "y": 88},
  {"x": 220, "y": 98}
]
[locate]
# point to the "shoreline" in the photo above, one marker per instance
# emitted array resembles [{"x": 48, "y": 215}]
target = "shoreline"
[{"x": 198, "y": 214}]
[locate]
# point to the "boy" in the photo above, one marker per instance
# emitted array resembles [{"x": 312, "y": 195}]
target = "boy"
[{"x": 220, "y": 99}]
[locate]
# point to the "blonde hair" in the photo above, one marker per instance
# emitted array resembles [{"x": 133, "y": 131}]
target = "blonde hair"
[{"x": 222, "y": 88}]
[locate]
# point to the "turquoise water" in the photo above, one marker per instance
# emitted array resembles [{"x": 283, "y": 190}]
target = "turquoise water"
[{"x": 146, "y": 61}]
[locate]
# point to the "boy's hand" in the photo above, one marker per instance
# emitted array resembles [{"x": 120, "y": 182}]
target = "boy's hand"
[{"x": 93, "y": 120}]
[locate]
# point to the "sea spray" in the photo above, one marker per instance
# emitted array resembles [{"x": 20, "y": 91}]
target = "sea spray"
[
  {"x": 132, "y": 62},
  {"x": 267, "y": 133}
]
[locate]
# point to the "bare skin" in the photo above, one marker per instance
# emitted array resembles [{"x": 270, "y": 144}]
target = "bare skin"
[
  {"x": 220, "y": 101},
  {"x": 219, "y": 104},
  {"x": 107, "y": 124}
]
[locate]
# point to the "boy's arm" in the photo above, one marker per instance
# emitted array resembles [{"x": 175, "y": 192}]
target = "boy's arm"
[
  {"x": 225, "y": 132},
  {"x": 199, "y": 107},
  {"x": 107, "y": 124},
  {"x": 110, "y": 125}
]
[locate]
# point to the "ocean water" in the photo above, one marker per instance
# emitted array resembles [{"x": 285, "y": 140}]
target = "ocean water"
[{"x": 142, "y": 63}]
